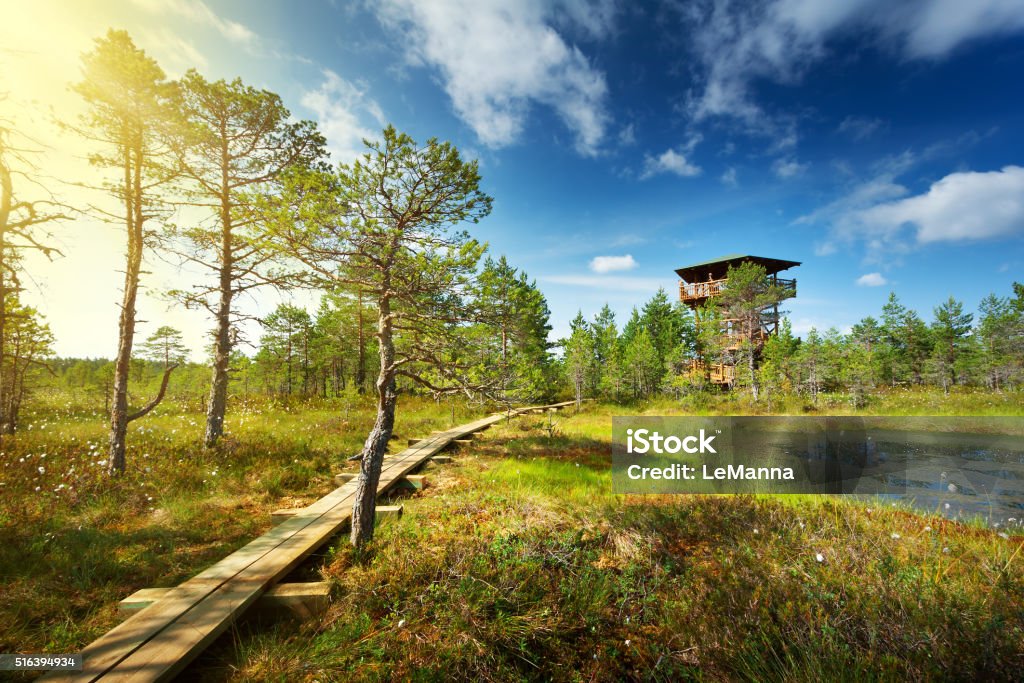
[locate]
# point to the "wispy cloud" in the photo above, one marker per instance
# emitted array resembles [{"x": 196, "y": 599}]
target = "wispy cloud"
[
  {"x": 872, "y": 280},
  {"x": 496, "y": 60},
  {"x": 610, "y": 264},
  {"x": 736, "y": 44},
  {"x": 178, "y": 54},
  {"x": 787, "y": 168},
  {"x": 198, "y": 12},
  {"x": 628, "y": 240},
  {"x": 614, "y": 283},
  {"x": 729, "y": 177},
  {"x": 860, "y": 128},
  {"x": 627, "y": 136},
  {"x": 341, "y": 108}
]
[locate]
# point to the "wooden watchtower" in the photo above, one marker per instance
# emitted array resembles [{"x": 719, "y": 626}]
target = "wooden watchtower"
[{"x": 703, "y": 281}]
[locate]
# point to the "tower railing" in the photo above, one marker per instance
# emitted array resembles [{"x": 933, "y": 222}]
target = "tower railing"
[{"x": 696, "y": 291}]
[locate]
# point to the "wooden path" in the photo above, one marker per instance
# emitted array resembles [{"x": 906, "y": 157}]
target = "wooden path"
[{"x": 158, "y": 641}]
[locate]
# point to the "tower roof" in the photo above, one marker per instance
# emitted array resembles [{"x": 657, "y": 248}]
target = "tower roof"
[{"x": 717, "y": 268}]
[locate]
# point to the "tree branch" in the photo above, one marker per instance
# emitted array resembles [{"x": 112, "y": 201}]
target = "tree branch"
[{"x": 141, "y": 412}]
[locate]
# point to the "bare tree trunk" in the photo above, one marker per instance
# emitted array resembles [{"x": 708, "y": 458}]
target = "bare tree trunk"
[
  {"x": 222, "y": 335},
  {"x": 361, "y": 341},
  {"x": 754, "y": 388},
  {"x": 6, "y": 189},
  {"x": 221, "y": 362},
  {"x": 363, "y": 512},
  {"x": 126, "y": 322}
]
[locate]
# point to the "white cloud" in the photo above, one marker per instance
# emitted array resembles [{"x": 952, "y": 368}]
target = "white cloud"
[
  {"x": 787, "y": 168},
  {"x": 940, "y": 26},
  {"x": 729, "y": 177},
  {"x": 595, "y": 17},
  {"x": 497, "y": 60},
  {"x": 198, "y": 12},
  {"x": 613, "y": 283},
  {"x": 610, "y": 264},
  {"x": 669, "y": 161},
  {"x": 737, "y": 44},
  {"x": 340, "y": 106},
  {"x": 960, "y": 207},
  {"x": 872, "y": 280}
]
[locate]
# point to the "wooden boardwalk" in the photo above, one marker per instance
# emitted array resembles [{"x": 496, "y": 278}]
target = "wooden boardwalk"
[{"x": 160, "y": 640}]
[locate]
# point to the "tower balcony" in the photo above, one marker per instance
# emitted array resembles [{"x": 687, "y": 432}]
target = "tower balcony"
[{"x": 696, "y": 293}]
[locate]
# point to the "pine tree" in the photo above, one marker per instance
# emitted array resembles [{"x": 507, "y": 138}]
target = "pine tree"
[
  {"x": 285, "y": 349},
  {"x": 644, "y": 365},
  {"x": 810, "y": 359},
  {"x": 579, "y": 356},
  {"x": 24, "y": 224},
  {"x": 996, "y": 333},
  {"x": 130, "y": 113},
  {"x": 29, "y": 346},
  {"x": 165, "y": 346},
  {"x": 383, "y": 227},
  {"x": 907, "y": 339},
  {"x": 747, "y": 295},
  {"x": 235, "y": 144},
  {"x": 779, "y": 372},
  {"x": 950, "y": 330},
  {"x": 509, "y": 304},
  {"x": 608, "y": 354}
]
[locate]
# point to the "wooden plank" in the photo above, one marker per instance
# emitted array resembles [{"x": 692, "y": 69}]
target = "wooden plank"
[
  {"x": 180, "y": 641},
  {"x": 140, "y": 599},
  {"x": 161, "y": 656},
  {"x": 301, "y": 598},
  {"x": 388, "y": 511},
  {"x": 415, "y": 482},
  {"x": 160, "y": 640},
  {"x": 278, "y": 516},
  {"x": 119, "y": 642}
]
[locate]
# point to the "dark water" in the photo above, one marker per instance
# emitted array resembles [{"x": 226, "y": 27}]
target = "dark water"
[
  {"x": 957, "y": 475},
  {"x": 960, "y": 468}
]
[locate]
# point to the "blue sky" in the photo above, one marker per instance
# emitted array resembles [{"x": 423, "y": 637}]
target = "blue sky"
[{"x": 880, "y": 143}]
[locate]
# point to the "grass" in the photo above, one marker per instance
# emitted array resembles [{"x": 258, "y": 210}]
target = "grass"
[
  {"x": 516, "y": 562},
  {"x": 73, "y": 542}
]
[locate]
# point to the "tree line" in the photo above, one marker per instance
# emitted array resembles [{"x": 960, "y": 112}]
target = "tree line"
[{"x": 657, "y": 349}]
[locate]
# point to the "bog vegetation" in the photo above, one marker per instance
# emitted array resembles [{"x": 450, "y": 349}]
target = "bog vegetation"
[
  {"x": 138, "y": 470},
  {"x": 514, "y": 562}
]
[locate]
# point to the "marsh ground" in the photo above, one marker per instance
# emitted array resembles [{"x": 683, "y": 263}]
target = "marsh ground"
[{"x": 516, "y": 562}]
